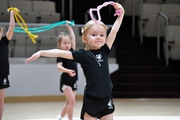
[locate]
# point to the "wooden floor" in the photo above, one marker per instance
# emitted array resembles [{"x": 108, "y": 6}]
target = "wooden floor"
[{"x": 126, "y": 109}]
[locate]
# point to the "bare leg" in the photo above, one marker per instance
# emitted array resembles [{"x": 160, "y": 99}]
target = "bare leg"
[
  {"x": 88, "y": 117},
  {"x": 2, "y": 91},
  {"x": 107, "y": 117},
  {"x": 64, "y": 110},
  {"x": 70, "y": 96}
]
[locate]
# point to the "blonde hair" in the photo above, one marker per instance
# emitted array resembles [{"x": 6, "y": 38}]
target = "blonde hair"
[{"x": 89, "y": 24}]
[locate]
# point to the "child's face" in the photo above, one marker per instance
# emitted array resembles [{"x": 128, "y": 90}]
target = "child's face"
[
  {"x": 95, "y": 37},
  {"x": 65, "y": 43}
]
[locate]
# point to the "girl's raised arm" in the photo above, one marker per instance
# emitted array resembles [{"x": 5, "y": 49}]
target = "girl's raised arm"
[
  {"x": 112, "y": 35},
  {"x": 72, "y": 36},
  {"x": 9, "y": 33}
]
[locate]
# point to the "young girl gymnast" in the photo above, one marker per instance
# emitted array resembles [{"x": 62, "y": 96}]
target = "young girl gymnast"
[
  {"x": 97, "y": 100},
  {"x": 68, "y": 68},
  {"x": 4, "y": 61}
]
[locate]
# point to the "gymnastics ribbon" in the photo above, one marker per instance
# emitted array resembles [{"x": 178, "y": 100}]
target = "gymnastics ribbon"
[
  {"x": 43, "y": 28},
  {"x": 117, "y": 12},
  {"x": 25, "y": 28}
]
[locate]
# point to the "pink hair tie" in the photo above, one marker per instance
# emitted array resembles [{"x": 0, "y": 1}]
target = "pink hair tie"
[{"x": 117, "y": 12}]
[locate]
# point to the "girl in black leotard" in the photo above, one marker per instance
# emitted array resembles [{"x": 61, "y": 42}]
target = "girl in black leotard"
[
  {"x": 97, "y": 102},
  {"x": 4, "y": 61},
  {"x": 68, "y": 68}
]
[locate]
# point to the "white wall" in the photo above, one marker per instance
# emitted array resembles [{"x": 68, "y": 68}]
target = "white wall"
[{"x": 40, "y": 77}]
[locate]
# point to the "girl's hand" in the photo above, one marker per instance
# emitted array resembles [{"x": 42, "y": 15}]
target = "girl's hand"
[
  {"x": 67, "y": 23},
  {"x": 12, "y": 12},
  {"x": 72, "y": 73},
  {"x": 118, "y": 6},
  {"x": 34, "y": 57}
]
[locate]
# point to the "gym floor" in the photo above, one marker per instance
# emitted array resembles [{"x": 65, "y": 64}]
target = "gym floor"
[{"x": 126, "y": 109}]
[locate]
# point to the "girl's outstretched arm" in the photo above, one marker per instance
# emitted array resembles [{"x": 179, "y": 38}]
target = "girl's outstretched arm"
[
  {"x": 51, "y": 53},
  {"x": 112, "y": 35},
  {"x": 71, "y": 35},
  {"x": 9, "y": 33}
]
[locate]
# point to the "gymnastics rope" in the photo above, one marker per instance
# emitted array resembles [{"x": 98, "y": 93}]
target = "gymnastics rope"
[
  {"x": 117, "y": 12},
  {"x": 29, "y": 31},
  {"x": 25, "y": 28},
  {"x": 43, "y": 28}
]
